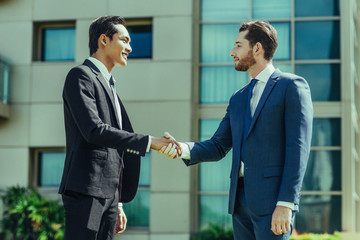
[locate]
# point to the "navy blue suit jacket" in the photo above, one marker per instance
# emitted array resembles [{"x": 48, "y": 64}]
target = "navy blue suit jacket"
[{"x": 277, "y": 145}]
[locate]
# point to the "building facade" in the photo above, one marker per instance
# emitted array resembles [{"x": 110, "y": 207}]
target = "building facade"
[{"x": 179, "y": 79}]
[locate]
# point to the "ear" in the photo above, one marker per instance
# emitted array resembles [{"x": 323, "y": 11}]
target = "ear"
[
  {"x": 257, "y": 49},
  {"x": 103, "y": 40}
]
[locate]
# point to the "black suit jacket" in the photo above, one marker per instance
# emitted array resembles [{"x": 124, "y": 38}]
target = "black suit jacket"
[{"x": 95, "y": 146}]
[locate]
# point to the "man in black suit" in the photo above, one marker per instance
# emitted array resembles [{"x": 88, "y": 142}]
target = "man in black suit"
[{"x": 102, "y": 152}]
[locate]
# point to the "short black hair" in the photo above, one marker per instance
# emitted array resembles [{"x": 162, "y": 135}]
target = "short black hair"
[
  {"x": 263, "y": 32},
  {"x": 103, "y": 25}
]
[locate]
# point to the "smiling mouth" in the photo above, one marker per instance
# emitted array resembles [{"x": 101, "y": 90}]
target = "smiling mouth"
[{"x": 125, "y": 55}]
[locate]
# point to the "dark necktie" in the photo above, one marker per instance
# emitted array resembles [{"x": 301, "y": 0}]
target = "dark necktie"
[
  {"x": 248, "y": 117},
  {"x": 118, "y": 113},
  {"x": 117, "y": 104}
]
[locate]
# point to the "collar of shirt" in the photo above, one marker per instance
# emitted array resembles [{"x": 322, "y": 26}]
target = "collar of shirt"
[
  {"x": 265, "y": 74},
  {"x": 101, "y": 67}
]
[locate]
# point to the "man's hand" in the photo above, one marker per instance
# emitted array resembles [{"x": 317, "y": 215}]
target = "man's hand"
[
  {"x": 164, "y": 142},
  {"x": 281, "y": 219},
  {"x": 121, "y": 221},
  {"x": 171, "y": 150}
]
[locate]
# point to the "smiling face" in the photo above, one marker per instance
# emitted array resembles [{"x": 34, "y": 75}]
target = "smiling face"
[
  {"x": 118, "y": 48},
  {"x": 242, "y": 53}
]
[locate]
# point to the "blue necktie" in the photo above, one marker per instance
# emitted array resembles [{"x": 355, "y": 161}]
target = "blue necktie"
[{"x": 248, "y": 117}]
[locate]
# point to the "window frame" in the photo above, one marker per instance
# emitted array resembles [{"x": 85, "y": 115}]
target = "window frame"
[
  {"x": 131, "y": 22},
  {"x": 38, "y": 38},
  {"x": 34, "y": 172}
]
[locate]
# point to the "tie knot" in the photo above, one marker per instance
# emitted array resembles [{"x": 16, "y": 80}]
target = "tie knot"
[
  {"x": 112, "y": 81},
  {"x": 253, "y": 82}
]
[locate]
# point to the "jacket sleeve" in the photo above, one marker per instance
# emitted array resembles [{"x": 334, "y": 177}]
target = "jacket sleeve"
[
  {"x": 298, "y": 131},
  {"x": 79, "y": 97},
  {"x": 215, "y": 148}
]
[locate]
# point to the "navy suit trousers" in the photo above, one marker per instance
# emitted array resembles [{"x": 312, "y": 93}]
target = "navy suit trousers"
[{"x": 250, "y": 226}]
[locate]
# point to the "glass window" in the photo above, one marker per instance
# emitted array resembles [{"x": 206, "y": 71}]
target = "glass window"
[
  {"x": 284, "y": 67},
  {"x": 141, "y": 41},
  {"x": 326, "y": 132},
  {"x": 323, "y": 172},
  {"x": 317, "y": 8},
  {"x": 137, "y": 211},
  {"x": 319, "y": 214},
  {"x": 4, "y": 81},
  {"x": 271, "y": 9},
  {"x": 217, "y": 41},
  {"x": 218, "y": 83},
  {"x": 214, "y": 10},
  {"x": 324, "y": 80},
  {"x": 214, "y": 177},
  {"x": 283, "y": 51},
  {"x": 317, "y": 40},
  {"x": 51, "y": 166},
  {"x": 214, "y": 209},
  {"x": 59, "y": 44}
]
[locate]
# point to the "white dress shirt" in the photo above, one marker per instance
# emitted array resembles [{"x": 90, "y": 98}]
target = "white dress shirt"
[{"x": 258, "y": 90}]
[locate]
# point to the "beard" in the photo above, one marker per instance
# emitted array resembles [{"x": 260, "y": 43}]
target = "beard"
[{"x": 245, "y": 63}]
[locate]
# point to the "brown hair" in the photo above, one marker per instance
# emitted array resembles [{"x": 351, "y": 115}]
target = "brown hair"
[{"x": 262, "y": 32}]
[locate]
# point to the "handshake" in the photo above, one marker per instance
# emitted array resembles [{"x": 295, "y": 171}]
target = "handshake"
[{"x": 167, "y": 145}]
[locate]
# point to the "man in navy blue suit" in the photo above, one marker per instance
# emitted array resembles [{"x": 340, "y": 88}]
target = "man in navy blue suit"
[{"x": 268, "y": 124}]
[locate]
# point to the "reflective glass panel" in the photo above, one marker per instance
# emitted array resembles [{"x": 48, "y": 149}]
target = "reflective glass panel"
[
  {"x": 317, "y": 40},
  {"x": 214, "y": 176},
  {"x": 324, "y": 80},
  {"x": 323, "y": 172},
  {"x": 283, "y": 51},
  {"x": 316, "y": 8},
  {"x": 4, "y": 81},
  {"x": 51, "y": 165},
  {"x": 214, "y": 209},
  {"x": 219, "y": 83},
  {"x": 59, "y": 44},
  {"x": 141, "y": 41},
  {"x": 214, "y": 10},
  {"x": 217, "y": 41},
  {"x": 284, "y": 67},
  {"x": 326, "y": 132},
  {"x": 319, "y": 214},
  {"x": 271, "y": 9},
  {"x": 145, "y": 171},
  {"x": 137, "y": 211}
]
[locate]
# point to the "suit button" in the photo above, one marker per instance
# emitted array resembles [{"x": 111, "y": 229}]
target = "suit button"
[
  {"x": 137, "y": 152},
  {"x": 127, "y": 150}
]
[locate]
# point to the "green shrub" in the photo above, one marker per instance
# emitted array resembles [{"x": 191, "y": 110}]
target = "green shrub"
[
  {"x": 214, "y": 231},
  {"x": 28, "y": 216},
  {"x": 312, "y": 236}
]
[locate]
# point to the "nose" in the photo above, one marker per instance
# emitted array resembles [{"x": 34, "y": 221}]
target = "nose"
[
  {"x": 128, "y": 48},
  {"x": 232, "y": 54}
]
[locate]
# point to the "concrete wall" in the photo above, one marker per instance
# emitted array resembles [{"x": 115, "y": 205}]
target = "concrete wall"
[{"x": 156, "y": 94}]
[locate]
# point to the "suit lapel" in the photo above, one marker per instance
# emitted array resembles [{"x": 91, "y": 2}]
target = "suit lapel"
[
  {"x": 268, "y": 88},
  {"x": 105, "y": 85}
]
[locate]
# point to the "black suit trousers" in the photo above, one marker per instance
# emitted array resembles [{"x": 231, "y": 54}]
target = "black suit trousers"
[{"x": 89, "y": 218}]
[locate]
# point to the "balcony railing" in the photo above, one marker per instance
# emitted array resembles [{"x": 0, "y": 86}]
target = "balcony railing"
[{"x": 5, "y": 70}]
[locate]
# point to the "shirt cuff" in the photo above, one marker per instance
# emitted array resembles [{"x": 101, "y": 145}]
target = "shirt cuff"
[
  {"x": 286, "y": 204},
  {"x": 120, "y": 204},
  {"x": 186, "y": 148},
  {"x": 149, "y": 145}
]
